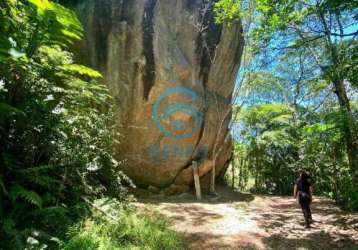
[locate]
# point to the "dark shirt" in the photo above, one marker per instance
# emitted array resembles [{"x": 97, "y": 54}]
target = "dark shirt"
[{"x": 304, "y": 186}]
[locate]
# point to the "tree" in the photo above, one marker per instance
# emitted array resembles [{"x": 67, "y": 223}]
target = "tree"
[{"x": 326, "y": 29}]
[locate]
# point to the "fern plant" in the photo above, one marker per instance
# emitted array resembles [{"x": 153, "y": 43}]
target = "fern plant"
[{"x": 55, "y": 126}]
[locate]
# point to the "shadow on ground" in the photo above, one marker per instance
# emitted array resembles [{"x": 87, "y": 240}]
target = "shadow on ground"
[
  {"x": 244, "y": 221},
  {"x": 313, "y": 241},
  {"x": 224, "y": 195},
  {"x": 332, "y": 229}
]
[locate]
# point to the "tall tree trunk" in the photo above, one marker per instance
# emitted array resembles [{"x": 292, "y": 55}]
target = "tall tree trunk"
[
  {"x": 337, "y": 78},
  {"x": 233, "y": 173},
  {"x": 240, "y": 173},
  {"x": 350, "y": 132},
  {"x": 257, "y": 173},
  {"x": 243, "y": 174},
  {"x": 335, "y": 173}
]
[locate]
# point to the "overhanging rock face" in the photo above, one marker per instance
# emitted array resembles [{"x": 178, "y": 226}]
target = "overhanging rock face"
[{"x": 171, "y": 72}]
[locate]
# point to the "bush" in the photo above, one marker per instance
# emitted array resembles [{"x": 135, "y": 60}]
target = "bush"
[
  {"x": 348, "y": 196},
  {"x": 114, "y": 227},
  {"x": 55, "y": 127}
]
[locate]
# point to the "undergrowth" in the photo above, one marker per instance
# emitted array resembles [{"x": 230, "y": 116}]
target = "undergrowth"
[{"x": 114, "y": 227}]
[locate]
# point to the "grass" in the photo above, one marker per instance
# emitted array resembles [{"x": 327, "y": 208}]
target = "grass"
[{"x": 115, "y": 228}]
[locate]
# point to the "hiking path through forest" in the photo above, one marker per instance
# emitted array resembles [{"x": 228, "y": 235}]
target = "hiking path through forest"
[{"x": 245, "y": 221}]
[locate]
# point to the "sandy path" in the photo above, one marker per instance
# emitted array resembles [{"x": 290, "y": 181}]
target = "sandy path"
[{"x": 244, "y": 221}]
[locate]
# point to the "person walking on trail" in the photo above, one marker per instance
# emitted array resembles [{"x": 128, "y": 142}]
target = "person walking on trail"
[{"x": 303, "y": 190}]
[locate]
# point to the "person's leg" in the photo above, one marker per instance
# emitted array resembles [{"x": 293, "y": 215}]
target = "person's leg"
[
  {"x": 306, "y": 212},
  {"x": 309, "y": 212}
]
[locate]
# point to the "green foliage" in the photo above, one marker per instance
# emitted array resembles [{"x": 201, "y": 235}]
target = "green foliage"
[
  {"x": 55, "y": 127},
  {"x": 303, "y": 57},
  {"x": 31, "y": 197},
  {"x": 82, "y": 70},
  {"x": 65, "y": 27},
  {"x": 113, "y": 227},
  {"x": 268, "y": 146},
  {"x": 227, "y": 10},
  {"x": 276, "y": 140}
]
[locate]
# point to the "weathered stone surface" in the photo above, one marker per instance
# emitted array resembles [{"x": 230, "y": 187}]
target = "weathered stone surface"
[
  {"x": 171, "y": 72},
  {"x": 153, "y": 189},
  {"x": 176, "y": 189}
]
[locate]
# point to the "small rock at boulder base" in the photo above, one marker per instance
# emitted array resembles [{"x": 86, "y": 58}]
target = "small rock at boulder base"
[
  {"x": 171, "y": 71},
  {"x": 153, "y": 189},
  {"x": 186, "y": 196},
  {"x": 176, "y": 189}
]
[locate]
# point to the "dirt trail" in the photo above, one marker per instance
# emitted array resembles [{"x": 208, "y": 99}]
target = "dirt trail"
[{"x": 244, "y": 221}]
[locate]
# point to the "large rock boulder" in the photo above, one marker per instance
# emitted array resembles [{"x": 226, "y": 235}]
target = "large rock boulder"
[{"x": 171, "y": 71}]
